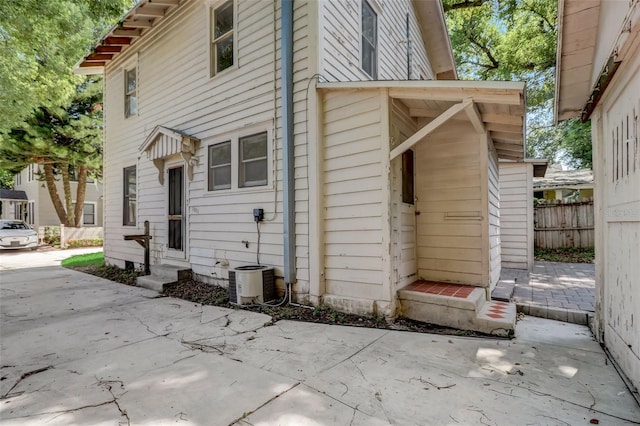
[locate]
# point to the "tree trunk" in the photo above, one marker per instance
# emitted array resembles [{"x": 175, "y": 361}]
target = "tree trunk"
[
  {"x": 66, "y": 186},
  {"x": 80, "y": 194},
  {"x": 53, "y": 193}
]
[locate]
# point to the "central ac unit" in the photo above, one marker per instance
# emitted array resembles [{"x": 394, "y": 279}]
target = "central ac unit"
[{"x": 251, "y": 284}]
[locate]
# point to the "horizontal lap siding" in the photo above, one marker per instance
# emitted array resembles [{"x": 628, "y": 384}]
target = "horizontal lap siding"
[
  {"x": 175, "y": 91},
  {"x": 353, "y": 194},
  {"x": 340, "y": 39},
  {"x": 515, "y": 202},
  {"x": 448, "y": 184}
]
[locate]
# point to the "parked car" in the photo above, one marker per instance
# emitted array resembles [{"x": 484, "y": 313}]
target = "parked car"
[{"x": 16, "y": 234}]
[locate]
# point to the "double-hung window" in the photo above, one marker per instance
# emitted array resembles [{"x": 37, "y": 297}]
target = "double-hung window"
[
  {"x": 240, "y": 162},
  {"x": 222, "y": 37},
  {"x": 129, "y": 197},
  {"x": 369, "y": 53},
  {"x": 220, "y": 166},
  {"x": 130, "y": 92}
]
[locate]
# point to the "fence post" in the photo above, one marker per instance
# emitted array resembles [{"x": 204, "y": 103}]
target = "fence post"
[{"x": 63, "y": 239}]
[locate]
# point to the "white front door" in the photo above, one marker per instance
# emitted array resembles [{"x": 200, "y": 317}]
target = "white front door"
[{"x": 407, "y": 264}]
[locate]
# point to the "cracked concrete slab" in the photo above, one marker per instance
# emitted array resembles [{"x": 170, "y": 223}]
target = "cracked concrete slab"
[{"x": 77, "y": 349}]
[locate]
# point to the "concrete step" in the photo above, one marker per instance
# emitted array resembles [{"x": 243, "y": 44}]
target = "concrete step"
[
  {"x": 171, "y": 271},
  {"x": 458, "y": 306},
  {"x": 163, "y": 275},
  {"x": 497, "y": 318}
]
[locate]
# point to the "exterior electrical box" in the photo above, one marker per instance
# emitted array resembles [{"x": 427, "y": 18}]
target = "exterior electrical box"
[{"x": 251, "y": 284}]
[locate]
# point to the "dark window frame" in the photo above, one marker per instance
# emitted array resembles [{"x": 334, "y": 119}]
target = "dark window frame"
[{"x": 129, "y": 217}]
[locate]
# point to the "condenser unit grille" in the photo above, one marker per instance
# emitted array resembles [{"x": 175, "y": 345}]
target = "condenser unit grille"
[{"x": 238, "y": 277}]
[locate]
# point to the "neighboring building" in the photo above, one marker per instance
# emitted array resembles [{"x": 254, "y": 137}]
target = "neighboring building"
[
  {"x": 516, "y": 211},
  {"x": 13, "y": 204},
  {"x": 368, "y": 181},
  {"x": 564, "y": 185},
  {"x": 39, "y": 210},
  {"x": 599, "y": 78}
]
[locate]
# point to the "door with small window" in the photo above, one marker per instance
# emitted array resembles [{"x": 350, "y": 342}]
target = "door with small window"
[{"x": 175, "y": 212}]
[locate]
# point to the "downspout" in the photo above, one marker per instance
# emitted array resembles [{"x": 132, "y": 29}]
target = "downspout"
[{"x": 286, "y": 7}]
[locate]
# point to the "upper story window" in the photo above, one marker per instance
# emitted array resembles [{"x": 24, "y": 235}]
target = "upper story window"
[
  {"x": 17, "y": 179},
  {"x": 369, "y": 53},
  {"x": 130, "y": 92},
  {"x": 222, "y": 35},
  {"x": 240, "y": 162}
]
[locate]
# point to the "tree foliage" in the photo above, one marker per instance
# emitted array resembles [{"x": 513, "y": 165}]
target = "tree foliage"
[
  {"x": 40, "y": 41},
  {"x": 66, "y": 141},
  {"x": 516, "y": 40}
]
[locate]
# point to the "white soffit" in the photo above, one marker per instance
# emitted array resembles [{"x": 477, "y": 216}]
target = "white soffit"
[{"x": 577, "y": 38}]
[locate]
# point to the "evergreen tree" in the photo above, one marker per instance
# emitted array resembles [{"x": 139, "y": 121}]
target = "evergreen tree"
[{"x": 67, "y": 142}]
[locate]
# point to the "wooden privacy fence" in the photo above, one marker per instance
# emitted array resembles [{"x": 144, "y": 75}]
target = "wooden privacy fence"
[{"x": 560, "y": 225}]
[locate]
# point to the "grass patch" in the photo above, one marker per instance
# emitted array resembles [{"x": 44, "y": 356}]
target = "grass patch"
[
  {"x": 84, "y": 260},
  {"x": 566, "y": 255}
]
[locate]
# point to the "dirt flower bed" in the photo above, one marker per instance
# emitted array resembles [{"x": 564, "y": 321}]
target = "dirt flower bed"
[
  {"x": 566, "y": 255},
  {"x": 214, "y": 295}
]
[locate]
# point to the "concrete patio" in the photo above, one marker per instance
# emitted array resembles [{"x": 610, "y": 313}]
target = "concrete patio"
[{"x": 77, "y": 350}]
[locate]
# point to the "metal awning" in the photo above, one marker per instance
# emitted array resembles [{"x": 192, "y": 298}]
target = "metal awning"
[
  {"x": 496, "y": 107},
  {"x": 144, "y": 16}
]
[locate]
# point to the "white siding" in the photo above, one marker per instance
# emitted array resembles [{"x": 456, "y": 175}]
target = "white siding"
[
  {"x": 354, "y": 210},
  {"x": 340, "y": 41},
  {"x": 449, "y": 190},
  {"x": 494, "y": 217},
  {"x": 403, "y": 230},
  {"x": 616, "y": 130},
  {"x": 516, "y": 204},
  {"x": 175, "y": 91}
]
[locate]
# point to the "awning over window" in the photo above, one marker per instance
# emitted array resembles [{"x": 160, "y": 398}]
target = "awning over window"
[{"x": 164, "y": 142}]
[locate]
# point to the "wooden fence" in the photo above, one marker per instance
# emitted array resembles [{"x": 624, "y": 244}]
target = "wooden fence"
[{"x": 560, "y": 225}]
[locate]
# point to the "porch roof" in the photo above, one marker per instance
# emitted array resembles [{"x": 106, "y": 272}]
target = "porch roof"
[{"x": 496, "y": 107}]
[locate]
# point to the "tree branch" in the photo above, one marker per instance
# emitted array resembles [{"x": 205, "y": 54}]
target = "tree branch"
[{"x": 464, "y": 4}]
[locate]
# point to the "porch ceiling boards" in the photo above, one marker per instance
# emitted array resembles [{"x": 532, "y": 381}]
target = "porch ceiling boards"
[
  {"x": 496, "y": 107},
  {"x": 144, "y": 16}
]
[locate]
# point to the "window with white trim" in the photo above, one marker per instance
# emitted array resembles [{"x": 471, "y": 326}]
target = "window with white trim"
[
  {"x": 220, "y": 166},
  {"x": 222, "y": 37},
  {"x": 239, "y": 162},
  {"x": 88, "y": 213},
  {"x": 130, "y": 92},
  {"x": 369, "y": 52}
]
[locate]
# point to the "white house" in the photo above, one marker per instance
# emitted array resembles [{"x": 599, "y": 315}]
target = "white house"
[
  {"x": 38, "y": 211},
  {"x": 342, "y": 120},
  {"x": 599, "y": 79}
]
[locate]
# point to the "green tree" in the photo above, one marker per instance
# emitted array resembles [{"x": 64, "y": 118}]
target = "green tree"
[
  {"x": 67, "y": 142},
  {"x": 40, "y": 41},
  {"x": 6, "y": 179},
  {"x": 516, "y": 40}
]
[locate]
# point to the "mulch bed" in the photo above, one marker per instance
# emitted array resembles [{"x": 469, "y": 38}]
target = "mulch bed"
[{"x": 207, "y": 294}]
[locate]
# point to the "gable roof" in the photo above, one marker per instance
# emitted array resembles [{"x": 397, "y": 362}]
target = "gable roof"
[
  {"x": 10, "y": 194},
  {"x": 570, "y": 179}
]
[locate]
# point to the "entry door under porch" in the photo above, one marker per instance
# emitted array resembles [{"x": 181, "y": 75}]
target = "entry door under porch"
[{"x": 175, "y": 212}]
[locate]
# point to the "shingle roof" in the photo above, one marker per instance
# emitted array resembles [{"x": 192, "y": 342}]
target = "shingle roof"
[{"x": 10, "y": 194}]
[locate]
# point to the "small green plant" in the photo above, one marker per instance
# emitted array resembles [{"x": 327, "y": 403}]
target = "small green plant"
[
  {"x": 52, "y": 235},
  {"x": 84, "y": 260}
]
